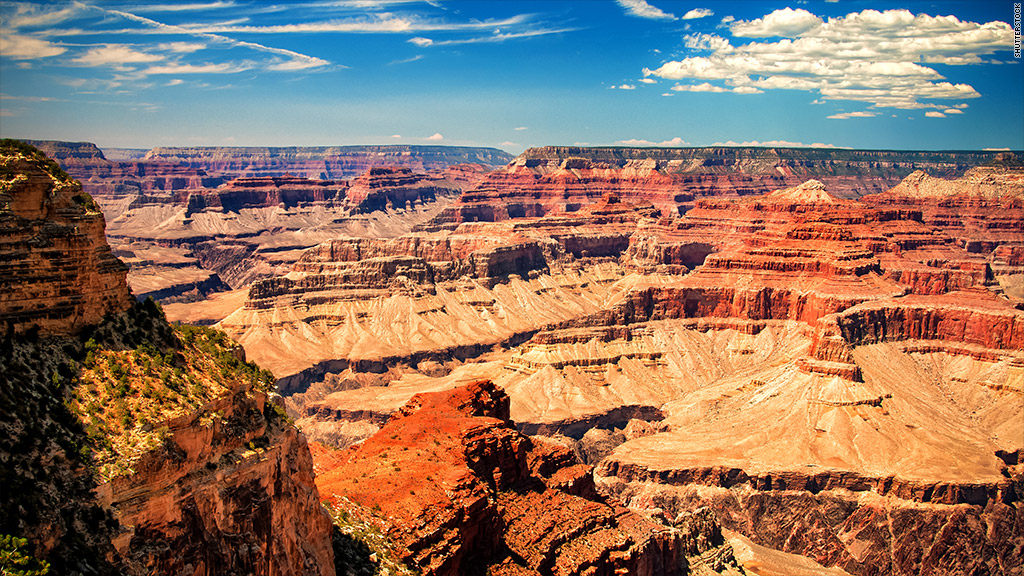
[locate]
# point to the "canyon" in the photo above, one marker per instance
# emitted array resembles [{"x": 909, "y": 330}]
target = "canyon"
[
  {"x": 580, "y": 360},
  {"x": 808, "y": 366}
]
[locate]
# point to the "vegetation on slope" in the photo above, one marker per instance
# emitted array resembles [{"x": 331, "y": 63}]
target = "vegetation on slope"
[{"x": 80, "y": 410}]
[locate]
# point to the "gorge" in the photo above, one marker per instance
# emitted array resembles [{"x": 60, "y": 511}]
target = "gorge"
[{"x": 578, "y": 360}]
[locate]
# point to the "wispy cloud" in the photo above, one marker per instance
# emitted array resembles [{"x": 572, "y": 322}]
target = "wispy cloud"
[
  {"x": 869, "y": 56},
  {"x": 775, "y": 144},
  {"x": 117, "y": 55},
  {"x": 642, "y": 9},
  {"x": 848, "y": 115},
  {"x": 193, "y": 7},
  {"x": 497, "y": 37}
]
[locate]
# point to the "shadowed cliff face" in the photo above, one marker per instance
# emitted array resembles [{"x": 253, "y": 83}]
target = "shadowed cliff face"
[{"x": 127, "y": 445}]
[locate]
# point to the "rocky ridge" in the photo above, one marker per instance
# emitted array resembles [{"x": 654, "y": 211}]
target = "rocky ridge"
[
  {"x": 789, "y": 303},
  {"x": 193, "y": 222},
  {"x": 463, "y": 492},
  {"x": 130, "y": 446},
  {"x": 58, "y": 274}
]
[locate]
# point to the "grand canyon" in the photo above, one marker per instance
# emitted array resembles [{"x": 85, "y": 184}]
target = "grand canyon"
[{"x": 449, "y": 360}]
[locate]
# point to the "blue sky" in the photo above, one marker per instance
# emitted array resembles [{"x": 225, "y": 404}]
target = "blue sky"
[{"x": 860, "y": 74}]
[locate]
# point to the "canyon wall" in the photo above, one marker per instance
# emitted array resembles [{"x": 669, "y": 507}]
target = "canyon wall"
[{"x": 131, "y": 446}]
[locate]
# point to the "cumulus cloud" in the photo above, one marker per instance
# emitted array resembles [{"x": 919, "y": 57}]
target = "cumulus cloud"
[
  {"x": 847, "y": 115},
  {"x": 642, "y": 9},
  {"x": 709, "y": 87},
  {"x": 436, "y": 136},
  {"x": 677, "y": 141},
  {"x": 786, "y": 23},
  {"x": 952, "y": 111},
  {"x": 647, "y": 81},
  {"x": 624, "y": 87},
  {"x": 934, "y": 114},
  {"x": 698, "y": 13},
  {"x": 883, "y": 58}
]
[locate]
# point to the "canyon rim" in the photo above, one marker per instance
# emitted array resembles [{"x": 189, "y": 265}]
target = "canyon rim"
[{"x": 500, "y": 288}]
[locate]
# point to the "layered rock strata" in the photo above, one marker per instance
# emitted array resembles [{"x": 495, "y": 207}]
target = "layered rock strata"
[
  {"x": 553, "y": 179},
  {"x": 463, "y": 492},
  {"x": 58, "y": 273},
  {"x": 130, "y": 446}
]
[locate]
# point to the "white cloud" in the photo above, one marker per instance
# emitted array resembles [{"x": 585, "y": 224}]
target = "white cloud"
[
  {"x": 775, "y": 144},
  {"x": 642, "y": 9},
  {"x": 520, "y": 128},
  {"x": 787, "y": 23},
  {"x": 698, "y": 13},
  {"x": 31, "y": 16},
  {"x": 883, "y": 58},
  {"x": 952, "y": 111},
  {"x": 436, "y": 136},
  {"x": 221, "y": 68},
  {"x": 647, "y": 81},
  {"x": 847, "y": 115},
  {"x": 996, "y": 149},
  {"x": 175, "y": 82},
  {"x": 702, "y": 87},
  {"x": 709, "y": 87},
  {"x": 420, "y": 41},
  {"x": 934, "y": 114},
  {"x": 116, "y": 55},
  {"x": 21, "y": 47},
  {"x": 182, "y": 7},
  {"x": 624, "y": 87},
  {"x": 747, "y": 90},
  {"x": 396, "y": 136},
  {"x": 674, "y": 142}
]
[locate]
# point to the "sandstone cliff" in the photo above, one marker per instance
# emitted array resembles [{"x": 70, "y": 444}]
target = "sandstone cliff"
[
  {"x": 464, "y": 493},
  {"x": 128, "y": 445},
  {"x": 58, "y": 273}
]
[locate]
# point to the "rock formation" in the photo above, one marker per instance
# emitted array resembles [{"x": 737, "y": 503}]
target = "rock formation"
[
  {"x": 58, "y": 273},
  {"x": 194, "y": 222},
  {"x": 463, "y": 492},
  {"x": 543, "y": 180},
  {"x": 858, "y": 359},
  {"x": 128, "y": 446}
]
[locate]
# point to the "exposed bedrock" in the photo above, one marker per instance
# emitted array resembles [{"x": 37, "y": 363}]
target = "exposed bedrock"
[
  {"x": 491, "y": 499},
  {"x": 57, "y": 271},
  {"x": 207, "y": 502},
  {"x": 863, "y": 534}
]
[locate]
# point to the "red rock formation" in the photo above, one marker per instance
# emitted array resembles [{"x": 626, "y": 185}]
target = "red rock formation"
[
  {"x": 57, "y": 273},
  {"x": 230, "y": 490},
  {"x": 461, "y": 490}
]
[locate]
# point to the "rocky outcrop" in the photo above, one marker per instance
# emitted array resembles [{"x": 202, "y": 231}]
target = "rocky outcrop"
[
  {"x": 131, "y": 446},
  {"x": 462, "y": 492},
  {"x": 57, "y": 271},
  {"x": 230, "y": 490},
  {"x": 562, "y": 179}
]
